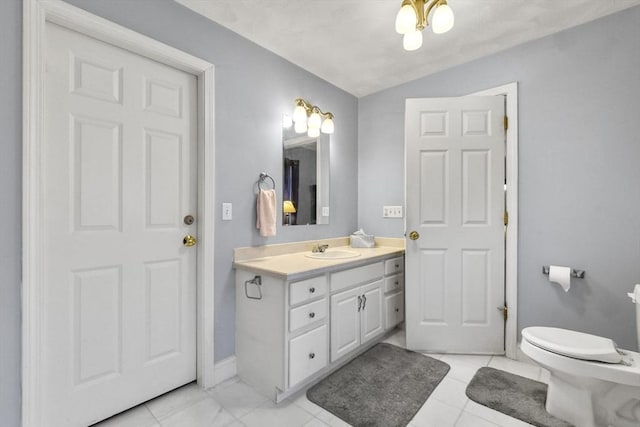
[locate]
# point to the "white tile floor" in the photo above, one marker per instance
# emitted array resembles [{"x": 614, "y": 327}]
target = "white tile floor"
[{"x": 235, "y": 404}]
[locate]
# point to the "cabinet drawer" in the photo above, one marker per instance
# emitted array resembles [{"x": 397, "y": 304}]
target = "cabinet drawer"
[
  {"x": 307, "y": 354},
  {"x": 394, "y": 309},
  {"x": 394, "y": 283},
  {"x": 307, "y": 289},
  {"x": 307, "y": 314},
  {"x": 355, "y": 276},
  {"x": 394, "y": 265}
]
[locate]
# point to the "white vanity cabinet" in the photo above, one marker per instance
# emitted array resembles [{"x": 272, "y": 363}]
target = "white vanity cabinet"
[
  {"x": 356, "y": 313},
  {"x": 290, "y": 331}
]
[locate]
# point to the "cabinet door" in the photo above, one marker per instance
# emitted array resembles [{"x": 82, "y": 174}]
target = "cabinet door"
[
  {"x": 307, "y": 354},
  {"x": 371, "y": 313},
  {"x": 345, "y": 322},
  {"x": 395, "y": 309}
]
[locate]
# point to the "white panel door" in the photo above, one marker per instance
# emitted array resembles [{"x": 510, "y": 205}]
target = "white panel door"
[
  {"x": 455, "y": 174},
  {"x": 120, "y": 174}
]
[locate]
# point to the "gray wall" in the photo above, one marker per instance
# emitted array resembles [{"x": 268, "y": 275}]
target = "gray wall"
[
  {"x": 10, "y": 208},
  {"x": 253, "y": 89},
  {"x": 579, "y": 100}
]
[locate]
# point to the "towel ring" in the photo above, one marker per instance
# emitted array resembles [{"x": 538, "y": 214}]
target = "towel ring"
[{"x": 263, "y": 177}]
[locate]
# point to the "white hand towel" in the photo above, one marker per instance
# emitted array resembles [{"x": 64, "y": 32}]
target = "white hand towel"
[{"x": 266, "y": 212}]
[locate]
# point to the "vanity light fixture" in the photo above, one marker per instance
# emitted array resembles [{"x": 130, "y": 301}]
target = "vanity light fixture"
[
  {"x": 413, "y": 16},
  {"x": 311, "y": 119}
]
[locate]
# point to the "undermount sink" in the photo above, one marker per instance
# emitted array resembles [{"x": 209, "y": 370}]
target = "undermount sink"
[{"x": 333, "y": 254}]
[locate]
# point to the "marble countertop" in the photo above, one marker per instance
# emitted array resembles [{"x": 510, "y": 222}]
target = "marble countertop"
[{"x": 297, "y": 265}]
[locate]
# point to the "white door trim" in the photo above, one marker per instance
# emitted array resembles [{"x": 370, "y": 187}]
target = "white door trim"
[
  {"x": 510, "y": 90},
  {"x": 35, "y": 15}
]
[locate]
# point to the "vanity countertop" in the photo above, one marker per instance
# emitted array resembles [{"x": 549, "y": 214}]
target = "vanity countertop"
[{"x": 297, "y": 265}]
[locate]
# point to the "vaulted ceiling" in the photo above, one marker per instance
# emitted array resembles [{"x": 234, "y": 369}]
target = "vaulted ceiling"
[{"x": 353, "y": 44}]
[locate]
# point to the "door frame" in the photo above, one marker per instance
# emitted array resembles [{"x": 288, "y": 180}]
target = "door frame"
[
  {"x": 36, "y": 14},
  {"x": 510, "y": 91}
]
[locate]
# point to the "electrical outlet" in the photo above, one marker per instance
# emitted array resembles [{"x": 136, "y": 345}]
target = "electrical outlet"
[{"x": 227, "y": 211}]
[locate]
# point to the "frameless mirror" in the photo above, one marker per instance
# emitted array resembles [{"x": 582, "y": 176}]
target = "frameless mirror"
[{"x": 305, "y": 192}]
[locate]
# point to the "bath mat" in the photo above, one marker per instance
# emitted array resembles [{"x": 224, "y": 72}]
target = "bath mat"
[
  {"x": 383, "y": 387},
  {"x": 513, "y": 395}
]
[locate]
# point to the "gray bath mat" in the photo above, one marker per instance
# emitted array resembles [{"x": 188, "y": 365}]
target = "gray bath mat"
[
  {"x": 513, "y": 395},
  {"x": 383, "y": 387}
]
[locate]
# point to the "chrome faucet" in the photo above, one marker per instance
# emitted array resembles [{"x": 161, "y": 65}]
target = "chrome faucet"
[{"x": 319, "y": 248}]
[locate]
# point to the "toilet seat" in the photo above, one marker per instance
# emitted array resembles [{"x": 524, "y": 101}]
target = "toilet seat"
[{"x": 573, "y": 344}]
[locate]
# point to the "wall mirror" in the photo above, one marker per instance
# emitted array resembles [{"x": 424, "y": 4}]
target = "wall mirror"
[{"x": 305, "y": 193}]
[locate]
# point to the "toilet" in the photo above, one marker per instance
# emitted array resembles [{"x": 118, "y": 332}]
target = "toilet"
[{"x": 592, "y": 383}]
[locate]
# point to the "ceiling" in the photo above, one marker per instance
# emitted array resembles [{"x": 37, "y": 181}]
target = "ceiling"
[{"x": 353, "y": 44}]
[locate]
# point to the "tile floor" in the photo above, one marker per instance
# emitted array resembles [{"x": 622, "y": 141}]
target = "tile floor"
[{"x": 235, "y": 404}]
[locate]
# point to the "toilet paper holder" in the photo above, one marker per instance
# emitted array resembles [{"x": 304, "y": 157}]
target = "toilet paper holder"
[{"x": 579, "y": 274}]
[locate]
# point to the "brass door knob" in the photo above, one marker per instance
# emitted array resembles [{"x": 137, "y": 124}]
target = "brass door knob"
[
  {"x": 189, "y": 241},
  {"x": 414, "y": 235}
]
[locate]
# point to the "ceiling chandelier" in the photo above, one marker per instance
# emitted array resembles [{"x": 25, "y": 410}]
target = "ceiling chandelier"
[{"x": 413, "y": 16}]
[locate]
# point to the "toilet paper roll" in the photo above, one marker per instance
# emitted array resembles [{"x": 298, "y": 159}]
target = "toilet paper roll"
[{"x": 561, "y": 276}]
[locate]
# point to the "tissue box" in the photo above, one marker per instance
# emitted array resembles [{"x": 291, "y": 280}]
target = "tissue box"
[{"x": 362, "y": 241}]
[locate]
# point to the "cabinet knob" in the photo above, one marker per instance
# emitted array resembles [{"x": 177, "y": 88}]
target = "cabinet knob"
[
  {"x": 397, "y": 265},
  {"x": 312, "y": 315},
  {"x": 397, "y": 310},
  {"x": 312, "y": 355},
  {"x": 397, "y": 283},
  {"x": 312, "y": 290}
]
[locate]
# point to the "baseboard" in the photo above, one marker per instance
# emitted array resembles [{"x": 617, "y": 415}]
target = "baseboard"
[{"x": 224, "y": 370}]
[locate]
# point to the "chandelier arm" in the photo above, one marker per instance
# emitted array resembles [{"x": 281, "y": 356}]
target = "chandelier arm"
[
  {"x": 431, "y": 6},
  {"x": 309, "y": 108}
]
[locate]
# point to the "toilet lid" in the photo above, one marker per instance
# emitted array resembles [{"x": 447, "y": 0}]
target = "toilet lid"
[{"x": 573, "y": 344}]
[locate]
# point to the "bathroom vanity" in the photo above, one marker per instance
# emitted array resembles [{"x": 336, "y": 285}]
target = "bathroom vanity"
[{"x": 299, "y": 318}]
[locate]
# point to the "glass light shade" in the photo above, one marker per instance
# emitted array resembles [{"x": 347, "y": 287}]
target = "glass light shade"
[
  {"x": 300, "y": 126},
  {"x": 299, "y": 114},
  {"x": 442, "y": 19},
  {"x": 406, "y": 19},
  {"x": 286, "y": 121},
  {"x": 313, "y": 132},
  {"x": 314, "y": 121},
  {"x": 412, "y": 40},
  {"x": 287, "y": 207},
  {"x": 327, "y": 126}
]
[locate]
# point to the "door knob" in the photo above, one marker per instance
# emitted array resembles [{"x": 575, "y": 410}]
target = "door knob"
[
  {"x": 414, "y": 235},
  {"x": 189, "y": 240}
]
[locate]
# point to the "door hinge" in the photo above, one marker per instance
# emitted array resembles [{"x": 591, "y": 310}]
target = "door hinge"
[
  {"x": 505, "y": 312},
  {"x": 506, "y": 218},
  {"x": 506, "y": 122}
]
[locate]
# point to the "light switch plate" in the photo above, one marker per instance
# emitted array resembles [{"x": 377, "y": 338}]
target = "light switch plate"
[
  {"x": 392, "y": 211},
  {"x": 227, "y": 211}
]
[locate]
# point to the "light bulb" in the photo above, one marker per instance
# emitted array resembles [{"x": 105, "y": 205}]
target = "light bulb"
[
  {"x": 327, "y": 126},
  {"x": 314, "y": 120},
  {"x": 313, "y": 132},
  {"x": 286, "y": 121},
  {"x": 406, "y": 19},
  {"x": 300, "y": 126},
  {"x": 299, "y": 114},
  {"x": 442, "y": 19},
  {"x": 412, "y": 40}
]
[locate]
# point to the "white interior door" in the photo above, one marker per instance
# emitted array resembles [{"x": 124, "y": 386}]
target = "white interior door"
[
  {"x": 120, "y": 175},
  {"x": 455, "y": 174}
]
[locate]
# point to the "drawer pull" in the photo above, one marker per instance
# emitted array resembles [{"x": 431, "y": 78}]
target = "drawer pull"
[
  {"x": 396, "y": 282},
  {"x": 312, "y": 290},
  {"x": 397, "y": 310},
  {"x": 312, "y": 355},
  {"x": 312, "y": 315},
  {"x": 397, "y": 265}
]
